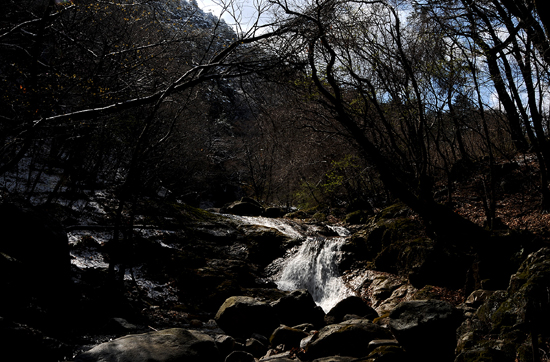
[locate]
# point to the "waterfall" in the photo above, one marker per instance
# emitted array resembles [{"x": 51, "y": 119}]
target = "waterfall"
[{"x": 311, "y": 265}]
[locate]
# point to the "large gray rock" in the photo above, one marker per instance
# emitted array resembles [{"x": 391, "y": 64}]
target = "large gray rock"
[
  {"x": 426, "y": 328},
  {"x": 350, "y": 338},
  {"x": 168, "y": 345},
  {"x": 240, "y": 316}
]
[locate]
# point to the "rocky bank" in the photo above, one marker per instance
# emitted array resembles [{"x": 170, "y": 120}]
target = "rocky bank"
[{"x": 211, "y": 297}]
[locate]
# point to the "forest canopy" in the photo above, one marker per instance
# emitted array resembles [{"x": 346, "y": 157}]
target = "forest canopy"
[{"x": 343, "y": 103}]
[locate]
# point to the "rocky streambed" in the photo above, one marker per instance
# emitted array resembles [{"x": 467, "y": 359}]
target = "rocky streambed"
[{"x": 195, "y": 286}]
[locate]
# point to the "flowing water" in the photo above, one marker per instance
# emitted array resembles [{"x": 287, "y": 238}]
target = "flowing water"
[{"x": 312, "y": 265}]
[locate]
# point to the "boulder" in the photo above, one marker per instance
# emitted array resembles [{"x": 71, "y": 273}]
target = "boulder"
[
  {"x": 426, "y": 328},
  {"x": 244, "y": 207},
  {"x": 265, "y": 244},
  {"x": 274, "y": 212},
  {"x": 350, "y": 305},
  {"x": 298, "y": 307},
  {"x": 290, "y": 337},
  {"x": 240, "y": 316},
  {"x": 240, "y": 356},
  {"x": 350, "y": 338},
  {"x": 255, "y": 347},
  {"x": 225, "y": 344},
  {"x": 335, "y": 359},
  {"x": 160, "y": 346}
]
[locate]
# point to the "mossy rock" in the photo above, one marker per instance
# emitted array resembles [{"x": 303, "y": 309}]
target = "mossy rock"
[
  {"x": 357, "y": 217},
  {"x": 397, "y": 210},
  {"x": 320, "y": 217},
  {"x": 297, "y": 215},
  {"x": 511, "y": 316}
]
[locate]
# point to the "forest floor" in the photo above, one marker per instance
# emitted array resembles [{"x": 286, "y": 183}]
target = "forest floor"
[{"x": 517, "y": 196}]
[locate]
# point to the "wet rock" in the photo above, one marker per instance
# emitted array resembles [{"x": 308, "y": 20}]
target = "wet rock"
[
  {"x": 264, "y": 244},
  {"x": 348, "y": 338},
  {"x": 426, "y": 328},
  {"x": 298, "y": 307},
  {"x": 160, "y": 346},
  {"x": 306, "y": 327},
  {"x": 350, "y": 305},
  {"x": 290, "y": 337},
  {"x": 240, "y": 316}
]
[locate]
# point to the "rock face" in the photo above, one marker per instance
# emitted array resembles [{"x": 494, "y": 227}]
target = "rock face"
[
  {"x": 426, "y": 328},
  {"x": 349, "y": 338},
  {"x": 163, "y": 346},
  {"x": 241, "y": 316},
  {"x": 514, "y": 318}
]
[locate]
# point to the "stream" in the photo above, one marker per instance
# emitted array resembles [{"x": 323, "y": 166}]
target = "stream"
[{"x": 312, "y": 265}]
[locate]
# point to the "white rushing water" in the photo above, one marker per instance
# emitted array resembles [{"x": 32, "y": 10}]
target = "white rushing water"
[{"x": 312, "y": 265}]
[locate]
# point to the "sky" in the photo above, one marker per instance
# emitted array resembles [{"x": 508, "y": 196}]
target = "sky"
[{"x": 245, "y": 7}]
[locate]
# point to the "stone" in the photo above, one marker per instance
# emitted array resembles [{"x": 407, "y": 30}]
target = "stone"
[
  {"x": 255, "y": 347},
  {"x": 279, "y": 357},
  {"x": 288, "y": 336},
  {"x": 244, "y": 207},
  {"x": 349, "y": 338},
  {"x": 335, "y": 359},
  {"x": 240, "y": 316},
  {"x": 478, "y": 297},
  {"x": 298, "y": 307},
  {"x": 426, "y": 328},
  {"x": 512, "y": 317},
  {"x": 225, "y": 344},
  {"x": 119, "y": 326},
  {"x": 159, "y": 346},
  {"x": 387, "y": 353},
  {"x": 239, "y": 356},
  {"x": 350, "y": 305}
]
